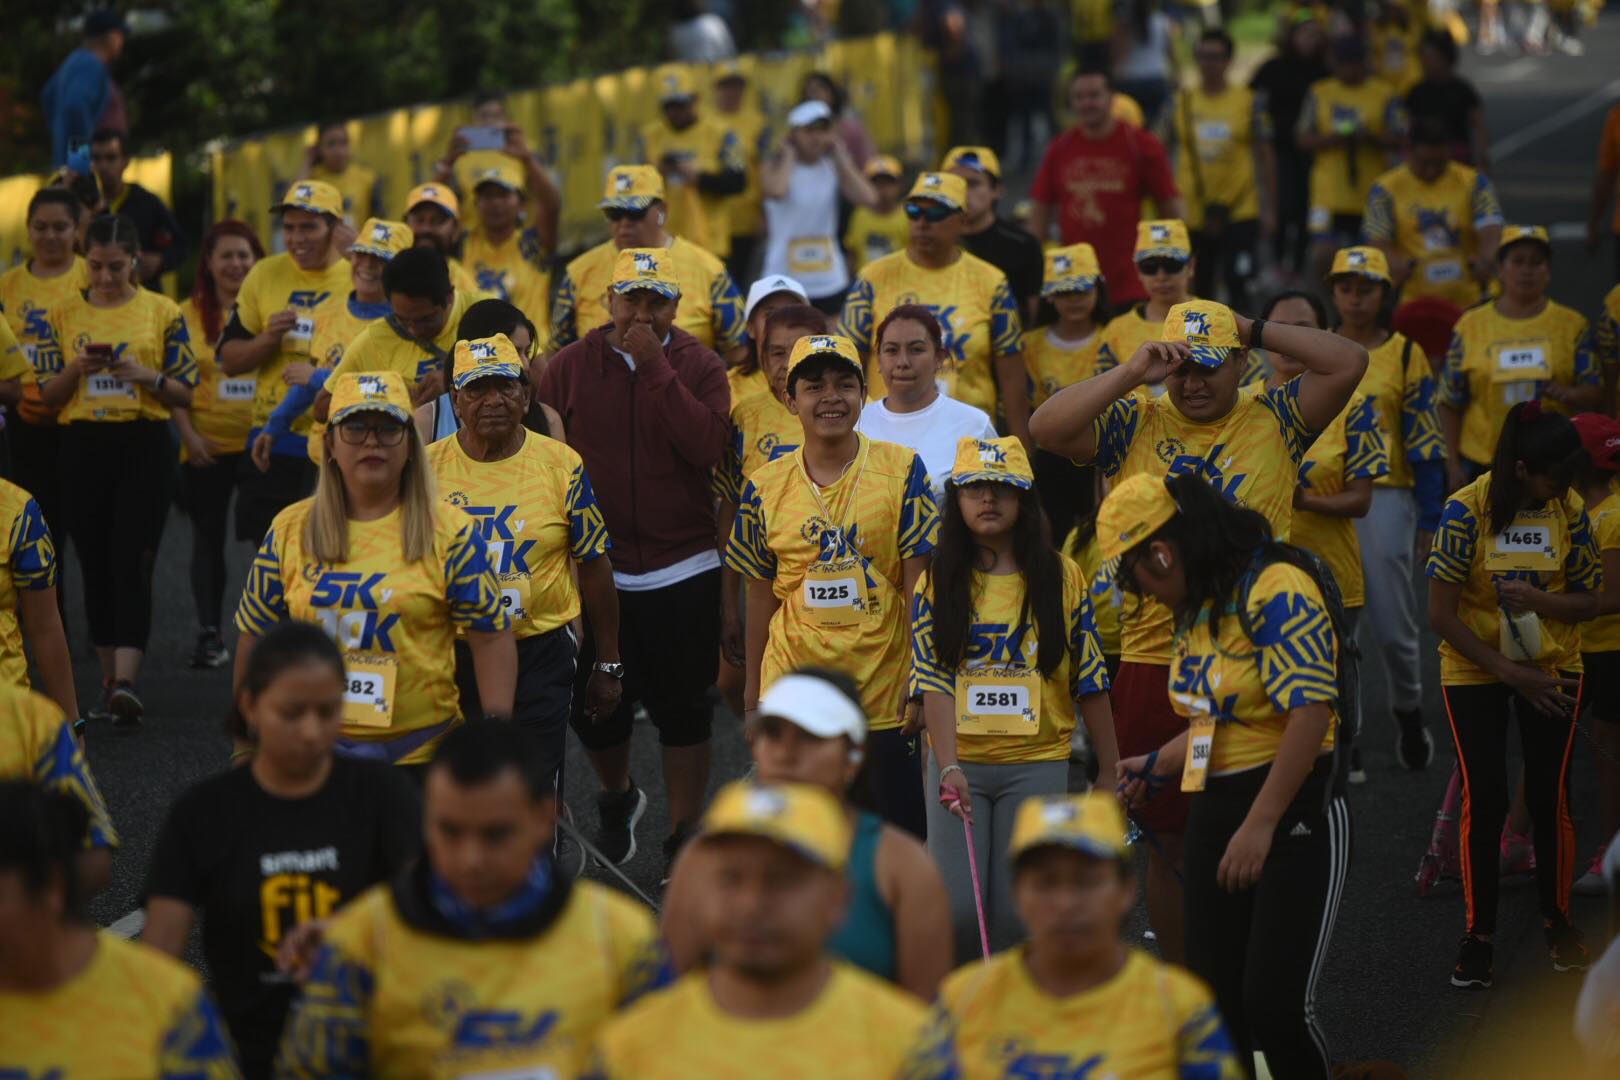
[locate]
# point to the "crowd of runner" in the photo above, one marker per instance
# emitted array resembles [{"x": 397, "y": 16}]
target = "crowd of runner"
[{"x": 1015, "y": 550}]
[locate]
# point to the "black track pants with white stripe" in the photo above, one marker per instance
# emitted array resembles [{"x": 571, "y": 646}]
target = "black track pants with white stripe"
[{"x": 1262, "y": 949}]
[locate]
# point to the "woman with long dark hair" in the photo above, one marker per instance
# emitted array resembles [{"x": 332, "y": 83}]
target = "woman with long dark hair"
[
  {"x": 213, "y": 430},
  {"x": 1004, "y": 647},
  {"x": 1514, "y": 567},
  {"x": 1255, "y": 676}
]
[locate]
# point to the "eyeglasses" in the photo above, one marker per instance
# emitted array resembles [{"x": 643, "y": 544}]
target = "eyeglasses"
[
  {"x": 617, "y": 214},
  {"x": 933, "y": 212},
  {"x": 1152, "y": 267},
  {"x": 355, "y": 432}
]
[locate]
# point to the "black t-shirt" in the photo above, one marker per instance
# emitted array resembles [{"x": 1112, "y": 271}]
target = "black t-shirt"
[
  {"x": 1015, "y": 253},
  {"x": 1449, "y": 101},
  {"x": 255, "y": 866},
  {"x": 1285, "y": 80}
]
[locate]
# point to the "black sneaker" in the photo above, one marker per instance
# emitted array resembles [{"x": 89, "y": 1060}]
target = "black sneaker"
[
  {"x": 672, "y": 849},
  {"x": 100, "y": 710},
  {"x": 1568, "y": 948},
  {"x": 125, "y": 707},
  {"x": 1358, "y": 774},
  {"x": 1415, "y": 747},
  {"x": 210, "y": 651},
  {"x": 1473, "y": 970},
  {"x": 618, "y": 813}
]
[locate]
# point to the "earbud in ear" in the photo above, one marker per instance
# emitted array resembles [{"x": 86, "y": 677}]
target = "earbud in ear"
[
  {"x": 1164, "y": 563},
  {"x": 661, "y": 216},
  {"x": 856, "y": 757}
]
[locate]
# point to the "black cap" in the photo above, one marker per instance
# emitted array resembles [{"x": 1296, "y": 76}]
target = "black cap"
[{"x": 104, "y": 21}]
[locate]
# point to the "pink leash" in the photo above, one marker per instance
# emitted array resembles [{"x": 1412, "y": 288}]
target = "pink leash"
[{"x": 948, "y": 798}]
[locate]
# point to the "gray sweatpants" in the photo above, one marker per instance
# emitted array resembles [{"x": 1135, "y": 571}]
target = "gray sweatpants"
[
  {"x": 1390, "y": 625},
  {"x": 996, "y": 791}
]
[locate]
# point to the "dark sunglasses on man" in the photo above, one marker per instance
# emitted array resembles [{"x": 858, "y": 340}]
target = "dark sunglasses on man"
[
  {"x": 617, "y": 214},
  {"x": 1161, "y": 265},
  {"x": 931, "y": 212}
]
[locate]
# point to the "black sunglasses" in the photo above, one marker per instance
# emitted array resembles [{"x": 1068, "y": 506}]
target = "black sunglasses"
[
  {"x": 617, "y": 214},
  {"x": 933, "y": 212},
  {"x": 1151, "y": 267}
]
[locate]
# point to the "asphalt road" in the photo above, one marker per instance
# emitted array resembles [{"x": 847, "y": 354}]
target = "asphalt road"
[{"x": 1384, "y": 993}]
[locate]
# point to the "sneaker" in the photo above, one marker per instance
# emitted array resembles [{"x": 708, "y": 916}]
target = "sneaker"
[
  {"x": 1567, "y": 946},
  {"x": 1517, "y": 854},
  {"x": 100, "y": 710},
  {"x": 1358, "y": 775},
  {"x": 618, "y": 813},
  {"x": 672, "y": 849},
  {"x": 1593, "y": 883},
  {"x": 125, "y": 707},
  {"x": 1473, "y": 970},
  {"x": 210, "y": 651},
  {"x": 1415, "y": 747}
]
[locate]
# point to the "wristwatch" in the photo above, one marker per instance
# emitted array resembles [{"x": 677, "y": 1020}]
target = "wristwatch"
[{"x": 609, "y": 667}]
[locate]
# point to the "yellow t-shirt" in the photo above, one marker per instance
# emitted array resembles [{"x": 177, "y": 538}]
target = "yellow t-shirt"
[
  {"x": 1151, "y": 1019},
  {"x": 1249, "y": 684},
  {"x": 1608, "y": 329},
  {"x": 1053, "y": 363},
  {"x": 37, "y": 743},
  {"x": 390, "y": 998},
  {"x": 395, "y": 620},
  {"x": 999, "y": 639},
  {"x": 1496, "y": 362},
  {"x": 1350, "y": 448},
  {"x": 857, "y": 1028},
  {"x": 745, "y": 384},
  {"x": 1221, "y": 133},
  {"x": 13, "y": 363},
  {"x": 1395, "y": 54},
  {"x": 1106, "y": 600},
  {"x": 1340, "y": 178},
  {"x": 537, "y": 515},
  {"x": 1437, "y": 225},
  {"x": 1603, "y": 634},
  {"x": 333, "y": 336},
  {"x": 710, "y": 309},
  {"x": 1552, "y": 547},
  {"x": 974, "y": 306},
  {"x": 28, "y": 301},
  {"x": 379, "y": 347},
  {"x": 221, "y": 405},
  {"x": 880, "y": 512},
  {"x": 747, "y": 125},
  {"x": 710, "y": 146},
  {"x": 515, "y": 270},
  {"x": 27, "y": 561},
  {"x": 1402, "y": 388},
  {"x": 1124, "y": 334},
  {"x": 1252, "y": 457},
  {"x": 155, "y": 1018},
  {"x": 147, "y": 328},
  {"x": 871, "y": 235},
  {"x": 274, "y": 284},
  {"x": 762, "y": 430},
  {"x": 358, "y": 186}
]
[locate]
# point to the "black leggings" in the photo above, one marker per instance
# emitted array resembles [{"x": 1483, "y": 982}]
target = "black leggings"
[
  {"x": 1232, "y": 254},
  {"x": 116, "y": 484},
  {"x": 205, "y": 496},
  {"x": 1261, "y": 949},
  {"x": 1479, "y": 722},
  {"x": 891, "y": 784}
]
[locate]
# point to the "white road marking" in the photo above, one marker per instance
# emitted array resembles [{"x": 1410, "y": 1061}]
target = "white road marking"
[
  {"x": 130, "y": 925},
  {"x": 1513, "y": 142},
  {"x": 1510, "y": 71}
]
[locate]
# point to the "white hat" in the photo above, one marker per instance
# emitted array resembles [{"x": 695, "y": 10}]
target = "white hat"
[
  {"x": 806, "y": 113},
  {"x": 815, "y": 705},
  {"x": 768, "y": 286}
]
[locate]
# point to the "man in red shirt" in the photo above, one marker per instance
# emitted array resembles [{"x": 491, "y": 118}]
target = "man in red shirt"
[{"x": 1093, "y": 179}]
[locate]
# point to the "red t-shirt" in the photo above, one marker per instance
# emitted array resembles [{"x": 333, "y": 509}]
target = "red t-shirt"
[{"x": 1098, "y": 186}]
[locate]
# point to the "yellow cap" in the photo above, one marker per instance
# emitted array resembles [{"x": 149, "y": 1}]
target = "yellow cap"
[
  {"x": 645, "y": 268},
  {"x": 814, "y": 345},
  {"x": 728, "y": 71},
  {"x": 1166, "y": 238},
  {"x": 1362, "y": 261},
  {"x": 435, "y": 194},
  {"x": 314, "y": 196},
  {"x": 1518, "y": 234},
  {"x": 1071, "y": 269},
  {"x": 674, "y": 84},
  {"x": 1131, "y": 513},
  {"x": 371, "y": 391},
  {"x": 504, "y": 172},
  {"x": 947, "y": 189},
  {"x": 981, "y": 158},
  {"x": 384, "y": 239},
  {"x": 1208, "y": 327},
  {"x": 1092, "y": 824},
  {"x": 632, "y": 187},
  {"x": 801, "y": 818},
  {"x": 883, "y": 165},
  {"x": 1000, "y": 461},
  {"x": 483, "y": 358}
]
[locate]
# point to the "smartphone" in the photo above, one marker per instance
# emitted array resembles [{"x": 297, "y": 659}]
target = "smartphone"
[
  {"x": 488, "y": 137},
  {"x": 100, "y": 354}
]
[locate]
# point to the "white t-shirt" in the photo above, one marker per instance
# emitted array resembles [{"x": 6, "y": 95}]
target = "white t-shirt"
[
  {"x": 932, "y": 432},
  {"x": 802, "y": 231}
]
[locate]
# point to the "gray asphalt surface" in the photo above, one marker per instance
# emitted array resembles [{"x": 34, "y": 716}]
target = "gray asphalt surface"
[{"x": 1384, "y": 993}]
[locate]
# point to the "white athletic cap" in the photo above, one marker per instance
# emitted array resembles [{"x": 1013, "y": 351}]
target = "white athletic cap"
[
  {"x": 766, "y": 286},
  {"x": 815, "y": 705},
  {"x": 806, "y": 113}
]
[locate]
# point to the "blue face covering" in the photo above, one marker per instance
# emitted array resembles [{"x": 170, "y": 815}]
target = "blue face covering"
[{"x": 476, "y": 922}]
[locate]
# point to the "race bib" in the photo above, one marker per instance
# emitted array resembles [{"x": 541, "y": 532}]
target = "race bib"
[
  {"x": 1528, "y": 544},
  {"x": 1200, "y": 748},
  {"x": 1519, "y": 370},
  {"x": 810, "y": 255},
  {"x": 512, "y": 604},
  {"x": 835, "y": 593},
  {"x": 368, "y": 689},
  {"x": 237, "y": 391},
  {"x": 998, "y": 701},
  {"x": 1443, "y": 271},
  {"x": 108, "y": 386},
  {"x": 297, "y": 340},
  {"x": 1213, "y": 137}
]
